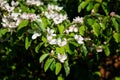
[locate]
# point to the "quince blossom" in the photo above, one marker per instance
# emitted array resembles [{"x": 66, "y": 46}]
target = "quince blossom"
[
  {"x": 72, "y": 28},
  {"x": 78, "y": 20},
  {"x": 35, "y": 35},
  {"x": 62, "y": 57},
  {"x": 34, "y": 2},
  {"x": 61, "y": 43},
  {"x": 99, "y": 49},
  {"x": 50, "y": 36},
  {"x": 54, "y": 7},
  {"x": 53, "y": 14},
  {"x": 79, "y": 39}
]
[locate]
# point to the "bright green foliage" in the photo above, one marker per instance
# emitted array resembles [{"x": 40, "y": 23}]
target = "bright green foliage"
[
  {"x": 27, "y": 42},
  {"x": 43, "y": 57},
  {"x": 23, "y": 24},
  {"x": 47, "y": 64},
  {"x": 67, "y": 68},
  {"x": 58, "y": 68}
]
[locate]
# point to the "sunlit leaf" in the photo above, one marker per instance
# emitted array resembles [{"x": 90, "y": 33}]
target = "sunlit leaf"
[
  {"x": 115, "y": 23},
  {"x": 61, "y": 29},
  {"x": 60, "y": 49},
  {"x": 116, "y": 37},
  {"x": 22, "y": 24},
  {"x": 106, "y": 50},
  {"x": 67, "y": 68},
  {"x": 117, "y": 78},
  {"x": 84, "y": 50},
  {"x": 60, "y": 77},
  {"x": 90, "y": 6},
  {"x": 43, "y": 57},
  {"x": 38, "y": 47},
  {"x": 96, "y": 7},
  {"x": 82, "y": 30},
  {"x": 58, "y": 68},
  {"x": 53, "y": 65},
  {"x": 27, "y": 42},
  {"x": 3, "y": 32},
  {"x": 104, "y": 6},
  {"x": 96, "y": 29},
  {"x": 47, "y": 64}
]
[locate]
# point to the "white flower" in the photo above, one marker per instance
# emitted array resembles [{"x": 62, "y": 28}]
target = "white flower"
[
  {"x": 87, "y": 38},
  {"x": 13, "y": 3},
  {"x": 58, "y": 8},
  {"x": 24, "y": 16},
  {"x": 99, "y": 49},
  {"x": 78, "y": 20},
  {"x": 50, "y": 7},
  {"x": 12, "y": 25},
  {"x": 54, "y": 7},
  {"x": 14, "y": 15},
  {"x": 61, "y": 43},
  {"x": 35, "y": 35},
  {"x": 79, "y": 39},
  {"x": 52, "y": 41},
  {"x": 59, "y": 18},
  {"x": 18, "y": 21},
  {"x": 73, "y": 28},
  {"x": 50, "y": 32},
  {"x": 62, "y": 57},
  {"x": 32, "y": 17},
  {"x": 34, "y": 2},
  {"x": 8, "y": 7}
]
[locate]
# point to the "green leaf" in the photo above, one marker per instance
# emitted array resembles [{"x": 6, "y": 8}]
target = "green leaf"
[
  {"x": 117, "y": 78},
  {"x": 22, "y": 24},
  {"x": 60, "y": 49},
  {"x": 102, "y": 26},
  {"x": 69, "y": 48},
  {"x": 24, "y": 8},
  {"x": 44, "y": 39},
  {"x": 82, "y": 5},
  {"x": 44, "y": 24},
  {"x": 116, "y": 37},
  {"x": 53, "y": 65},
  {"x": 38, "y": 47},
  {"x": 67, "y": 68},
  {"x": 90, "y": 21},
  {"x": 61, "y": 29},
  {"x": 96, "y": 29},
  {"x": 82, "y": 30},
  {"x": 47, "y": 64},
  {"x": 79, "y": 8},
  {"x": 90, "y": 6},
  {"x": 58, "y": 68},
  {"x": 104, "y": 6},
  {"x": 116, "y": 25},
  {"x": 43, "y": 57},
  {"x": 96, "y": 7},
  {"x": 27, "y": 42},
  {"x": 3, "y": 32},
  {"x": 84, "y": 50},
  {"x": 107, "y": 50},
  {"x": 60, "y": 77}
]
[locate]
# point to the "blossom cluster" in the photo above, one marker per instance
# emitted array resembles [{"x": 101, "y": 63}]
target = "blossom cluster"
[
  {"x": 12, "y": 19},
  {"x": 53, "y": 13},
  {"x": 52, "y": 40},
  {"x": 34, "y": 2},
  {"x": 54, "y": 16},
  {"x": 72, "y": 28}
]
